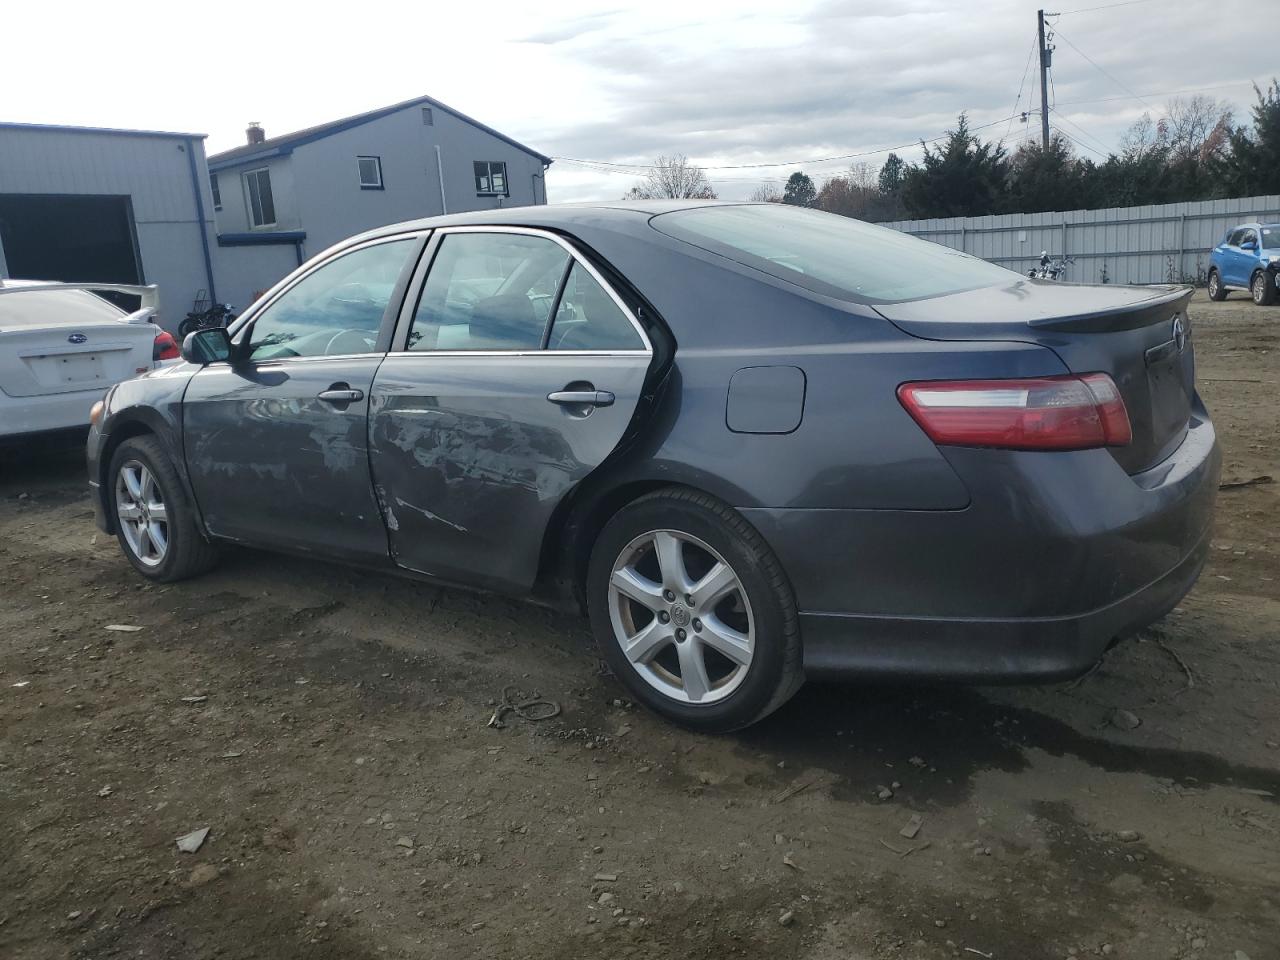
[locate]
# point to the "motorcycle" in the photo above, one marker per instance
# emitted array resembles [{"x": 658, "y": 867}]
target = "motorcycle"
[
  {"x": 218, "y": 315},
  {"x": 1050, "y": 269}
]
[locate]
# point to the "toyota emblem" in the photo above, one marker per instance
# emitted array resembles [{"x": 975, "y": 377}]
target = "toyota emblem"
[
  {"x": 77, "y": 338},
  {"x": 1179, "y": 334}
]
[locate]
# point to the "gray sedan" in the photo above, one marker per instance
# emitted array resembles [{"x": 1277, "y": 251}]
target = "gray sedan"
[{"x": 752, "y": 443}]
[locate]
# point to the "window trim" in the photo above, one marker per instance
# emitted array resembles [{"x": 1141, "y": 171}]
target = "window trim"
[
  {"x": 215, "y": 189},
  {"x": 248, "y": 199},
  {"x": 506, "y": 180},
  {"x": 381, "y": 184},
  {"x": 409, "y": 306}
]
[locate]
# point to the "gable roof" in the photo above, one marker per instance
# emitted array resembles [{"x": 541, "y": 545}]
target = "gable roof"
[{"x": 285, "y": 144}]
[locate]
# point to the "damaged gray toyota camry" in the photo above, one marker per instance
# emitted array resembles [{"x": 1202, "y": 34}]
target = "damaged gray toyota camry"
[{"x": 752, "y": 443}]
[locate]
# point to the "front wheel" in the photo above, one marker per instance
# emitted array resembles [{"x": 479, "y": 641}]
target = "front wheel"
[
  {"x": 1216, "y": 290},
  {"x": 693, "y": 613},
  {"x": 155, "y": 522},
  {"x": 1263, "y": 288}
]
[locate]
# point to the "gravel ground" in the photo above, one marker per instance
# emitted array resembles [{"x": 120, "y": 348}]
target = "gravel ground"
[{"x": 329, "y": 729}]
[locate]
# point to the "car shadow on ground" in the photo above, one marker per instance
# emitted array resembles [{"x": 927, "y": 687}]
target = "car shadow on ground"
[{"x": 868, "y": 734}]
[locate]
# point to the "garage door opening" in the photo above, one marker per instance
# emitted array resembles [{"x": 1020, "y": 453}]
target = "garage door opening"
[{"x": 71, "y": 238}]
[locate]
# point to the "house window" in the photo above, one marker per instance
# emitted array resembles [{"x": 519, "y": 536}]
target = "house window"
[
  {"x": 262, "y": 207},
  {"x": 370, "y": 172},
  {"x": 428, "y": 119},
  {"x": 491, "y": 178},
  {"x": 217, "y": 194}
]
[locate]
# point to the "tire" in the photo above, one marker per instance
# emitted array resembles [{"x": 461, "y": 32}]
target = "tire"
[
  {"x": 1263, "y": 288},
  {"x": 754, "y": 617},
  {"x": 1217, "y": 291},
  {"x": 172, "y": 547}
]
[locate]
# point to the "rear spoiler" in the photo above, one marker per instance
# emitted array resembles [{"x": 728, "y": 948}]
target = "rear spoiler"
[{"x": 149, "y": 294}]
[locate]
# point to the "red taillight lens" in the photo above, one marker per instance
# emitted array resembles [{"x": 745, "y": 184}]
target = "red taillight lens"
[
  {"x": 1043, "y": 413},
  {"x": 165, "y": 347}
]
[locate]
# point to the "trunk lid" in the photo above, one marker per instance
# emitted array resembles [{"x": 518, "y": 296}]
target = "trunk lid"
[
  {"x": 62, "y": 341},
  {"x": 1140, "y": 336}
]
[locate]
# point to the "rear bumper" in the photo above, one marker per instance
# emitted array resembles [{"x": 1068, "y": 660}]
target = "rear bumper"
[
  {"x": 1056, "y": 555},
  {"x": 1018, "y": 650},
  {"x": 27, "y": 416}
]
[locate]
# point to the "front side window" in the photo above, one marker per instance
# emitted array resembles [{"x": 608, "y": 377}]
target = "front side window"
[
  {"x": 262, "y": 206},
  {"x": 589, "y": 319},
  {"x": 832, "y": 255},
  {"x": 336, "y": 309},
  {"x": 1248, "y": 235},
  {"x": 488, "y": 291},
  {"x": 217, "y": 194},
  {"x": 491, "y": 178},
  {"x": 370, "y": 172}
]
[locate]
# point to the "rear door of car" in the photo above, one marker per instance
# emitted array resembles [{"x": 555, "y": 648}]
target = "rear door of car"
[
  {"x": 515, "y": 371},
  {"x": 276, "y": 441}
]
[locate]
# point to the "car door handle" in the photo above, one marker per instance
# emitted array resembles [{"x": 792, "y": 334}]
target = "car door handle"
[
  {"x": 595, "y": 398},
  {"x": 340, "y": 395}
]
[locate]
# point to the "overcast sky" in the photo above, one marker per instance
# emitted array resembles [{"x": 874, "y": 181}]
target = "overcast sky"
[{"x": 725, "y": 83}]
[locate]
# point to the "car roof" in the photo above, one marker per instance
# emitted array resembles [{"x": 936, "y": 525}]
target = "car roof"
[{"x": 626, "y": 216}]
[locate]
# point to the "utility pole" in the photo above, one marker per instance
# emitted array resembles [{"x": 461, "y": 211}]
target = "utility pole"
[{"x": 1046, "y": 60}]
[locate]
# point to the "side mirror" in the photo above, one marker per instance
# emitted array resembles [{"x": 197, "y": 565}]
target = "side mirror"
[
  {"x": 1249, "y": 245},
  {"x": 211, "y": 345}
]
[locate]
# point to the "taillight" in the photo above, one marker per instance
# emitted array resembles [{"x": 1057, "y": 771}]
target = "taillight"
[
  {"x": 1042, "y": 413},
  {"x": 165, "y": 347}
]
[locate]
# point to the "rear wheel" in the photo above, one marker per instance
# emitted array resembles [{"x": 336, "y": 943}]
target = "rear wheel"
[
  {"x": 1216, "y": 290},
  {"x": 1263, "y": 288},
  {"x": 155, "y": 523},
  {"x": 693, "y": 613}
]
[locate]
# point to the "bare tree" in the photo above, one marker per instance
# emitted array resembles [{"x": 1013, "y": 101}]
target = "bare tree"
[
  {"x": 673, "y": 178},
  {"x": 766, "y": 193},
  {"x": 1197, "y": 126}
]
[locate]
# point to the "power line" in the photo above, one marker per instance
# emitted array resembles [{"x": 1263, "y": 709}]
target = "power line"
[
  {"x": 1035, "y": 40},
  {"x": 1103, "y": 71},
  {"x": 635, "y": 169},
  {"x": 1081, "y": 133},
  {"x": 1166, "y": 93},
  {"x": 1105, "y": 6}
]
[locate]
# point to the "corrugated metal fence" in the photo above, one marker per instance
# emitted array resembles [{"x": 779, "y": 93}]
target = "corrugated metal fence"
[{"x": 1169, "y": 243}]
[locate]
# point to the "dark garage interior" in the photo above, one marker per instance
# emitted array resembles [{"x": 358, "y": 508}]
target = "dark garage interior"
[{"x": 69, "y": 238}]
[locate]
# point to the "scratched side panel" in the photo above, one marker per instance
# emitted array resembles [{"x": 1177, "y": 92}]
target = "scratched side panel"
[{"x": 470, "y": 459}]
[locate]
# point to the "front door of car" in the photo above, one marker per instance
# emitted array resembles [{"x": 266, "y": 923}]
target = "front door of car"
[
  {"x": 276, "y": 441},
  {"x": 1238, "y": 259},
  {"x": 514, "y": 374}
]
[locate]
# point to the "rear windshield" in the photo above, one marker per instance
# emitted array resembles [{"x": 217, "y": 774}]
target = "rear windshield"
[
  {"x": 34, "y": 307},
  {"x": 832, "y": 255}
]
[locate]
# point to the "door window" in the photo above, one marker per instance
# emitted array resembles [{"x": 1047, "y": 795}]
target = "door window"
[
  {"x": 336, "y": 309},
  {"x": 1237, "y": 235},
  {"x": 589, "y": 319},
  {"x": 488, "y": 291}
]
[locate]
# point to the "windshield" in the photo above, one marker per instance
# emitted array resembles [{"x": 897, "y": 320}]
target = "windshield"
[
  {"x": 832, "y": 255},
  {"x": 1270, "y": 237}
]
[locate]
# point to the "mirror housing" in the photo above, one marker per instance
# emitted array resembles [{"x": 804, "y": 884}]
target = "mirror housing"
[
  {"x": 203, "y": 347},
  {"x": 1249, "y": 245}
]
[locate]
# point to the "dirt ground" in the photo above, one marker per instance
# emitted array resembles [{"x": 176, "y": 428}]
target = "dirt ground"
[{"x": 329, "y": 728}]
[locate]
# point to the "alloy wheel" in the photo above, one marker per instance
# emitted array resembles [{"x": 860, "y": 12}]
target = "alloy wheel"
[
  {"x": 681, "y": 616},
  {"x": 1213, "y": 284},
  {"x": 141, "y": 510},
  {"x": 1259, "y": 288}
]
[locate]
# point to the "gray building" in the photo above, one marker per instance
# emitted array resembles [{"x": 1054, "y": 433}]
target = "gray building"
[
  {"x": 111, "y": 206},
  {"x": 281, "y": 199}
]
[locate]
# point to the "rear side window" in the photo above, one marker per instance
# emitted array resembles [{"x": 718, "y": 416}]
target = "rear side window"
[
  {"x": 488, "y": 291},
  {"x": 589, "y": 319},
  {"x": 832, "y": 255}
]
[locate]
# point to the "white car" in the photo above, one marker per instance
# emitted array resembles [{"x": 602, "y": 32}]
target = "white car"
[{"x": 62, "y": 346}]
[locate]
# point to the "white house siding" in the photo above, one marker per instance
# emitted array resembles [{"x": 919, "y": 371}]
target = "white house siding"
[{"x": 154, "y": 170}]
